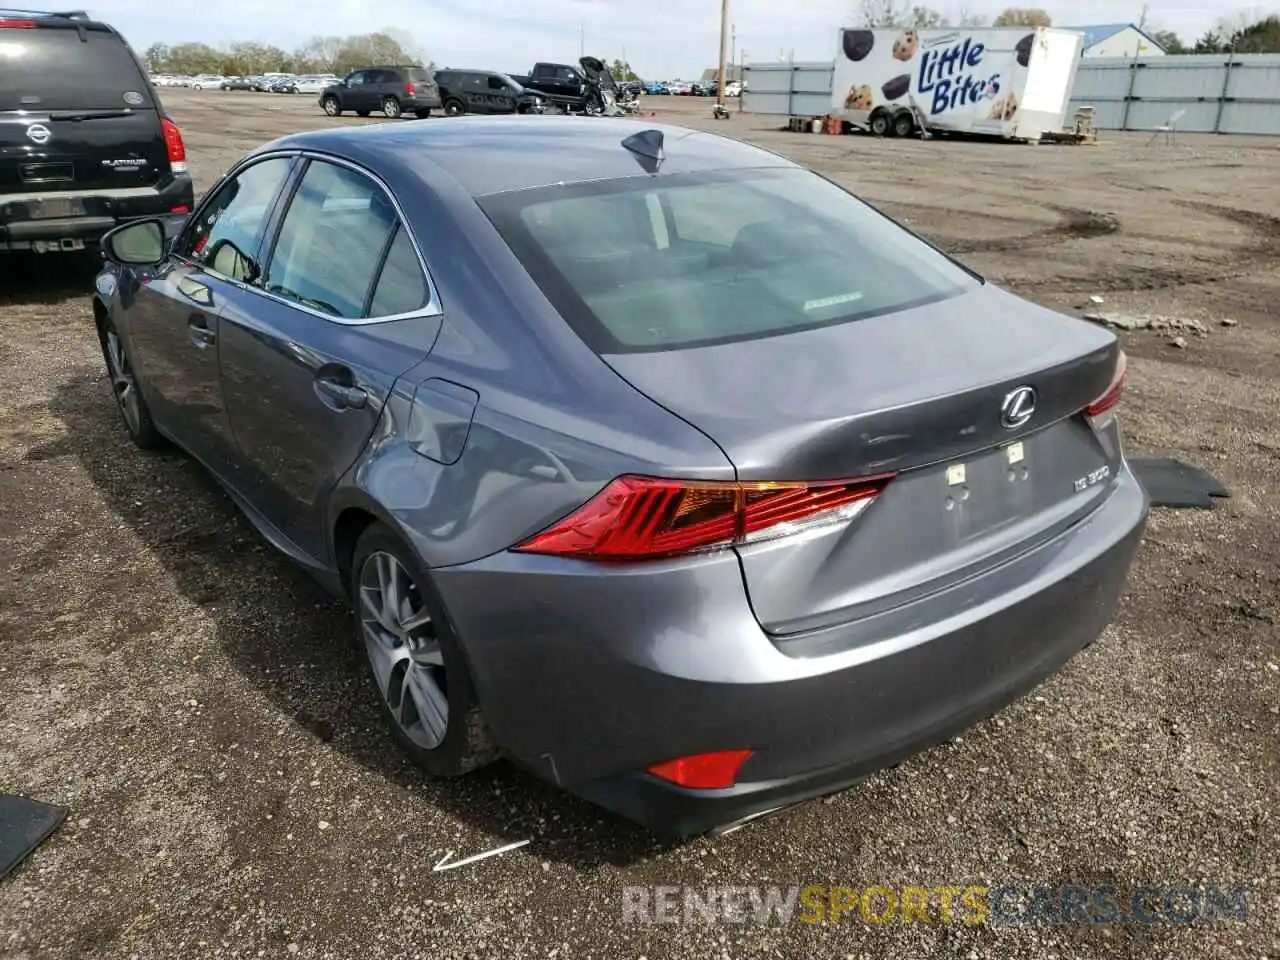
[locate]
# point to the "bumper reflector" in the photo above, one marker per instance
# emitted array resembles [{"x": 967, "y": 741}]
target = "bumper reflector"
[{"x": 703, "y": 771}]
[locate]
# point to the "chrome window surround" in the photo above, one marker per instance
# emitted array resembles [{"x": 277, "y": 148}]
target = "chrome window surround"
[{"x": 432, "y": 308}]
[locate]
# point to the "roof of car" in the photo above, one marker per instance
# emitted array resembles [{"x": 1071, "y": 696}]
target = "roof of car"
[{"x": 489, "y": 155}]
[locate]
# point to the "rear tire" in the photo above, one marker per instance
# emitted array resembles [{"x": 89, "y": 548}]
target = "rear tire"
[
  {"x": 903, "y": 125},
  {"x": 331, "y": 106},
  {"x": 391, "y": 108},
  {"x": 418, "y": 666},
  {"x": 454, "y": 108}
]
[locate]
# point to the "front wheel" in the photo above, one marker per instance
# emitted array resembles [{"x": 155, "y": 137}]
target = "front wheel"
[
  {"x": 880, "y": 124},
  {"x": 124, "y": 385},
  {"x": 391, "y": 107},
  {"x": 331, "y": 106},
  {"x": 415, "y": 661}
]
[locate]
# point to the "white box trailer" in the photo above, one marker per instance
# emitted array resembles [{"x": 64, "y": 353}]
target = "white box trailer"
[{"x": 1005, "y": 82}]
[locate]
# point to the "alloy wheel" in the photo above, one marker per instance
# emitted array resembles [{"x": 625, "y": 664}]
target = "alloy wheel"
[
  {"x": 123, "y": 384},
  {"x": 404, "y": 650}
]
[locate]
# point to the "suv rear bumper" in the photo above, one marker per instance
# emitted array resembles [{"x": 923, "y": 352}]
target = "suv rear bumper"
[{"x": 23, "y": 225}]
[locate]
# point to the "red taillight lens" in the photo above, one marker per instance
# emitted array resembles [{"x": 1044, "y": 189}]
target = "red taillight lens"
[
  {"x": 409, "y": 89},
  {"x": 1112, "y": 395},
  {"x": 181, "y": 208},
  {"x": 703, "y": 771},
  {"x": 173, "y": 144},
  {"x": 639, "y": 518},
  {"x": 17, "y": 24}
]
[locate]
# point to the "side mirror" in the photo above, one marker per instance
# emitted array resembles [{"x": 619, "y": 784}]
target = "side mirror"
[{"x": 141, "y": 243}]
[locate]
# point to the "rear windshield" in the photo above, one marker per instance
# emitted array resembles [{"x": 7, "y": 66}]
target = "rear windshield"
[
  {"x": 691, "y": 260},
  {"x": 51, "y": 68},
  {"x": 418, "y": 74}
]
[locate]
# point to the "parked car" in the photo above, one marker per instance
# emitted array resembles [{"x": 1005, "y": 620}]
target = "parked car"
[
  {"x": 655, "y": 89},
  {"x": 393, "y": 90},
  {"x": 207, "y": 81},
  {"x": 679, "y": 88},
  {"x": 84, "y": 141},
  {"x": 484, "y": 91},
  {"x": 762, "y": 493},
  {"x": 315, "y": 84},
  {"x": 733, "y": 88},
  {"x": 282, "y": 85},
  {"x": 257, "y": 84}
]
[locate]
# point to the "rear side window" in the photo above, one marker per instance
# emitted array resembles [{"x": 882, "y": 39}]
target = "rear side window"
[
  {"x": 332, "y": 241},
  {"x": 51, "y": 68},
  {"x": 691, "y": 260},
  {"x": 402, "y": 287}
]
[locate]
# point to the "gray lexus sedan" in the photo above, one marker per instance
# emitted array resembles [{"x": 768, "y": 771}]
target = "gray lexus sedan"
[{"x": 647, "y": 459}]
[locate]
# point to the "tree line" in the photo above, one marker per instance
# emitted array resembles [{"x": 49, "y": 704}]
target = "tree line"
[
  {"x": 1242, "y": 33},
  {"x": 337, "y": 55}
]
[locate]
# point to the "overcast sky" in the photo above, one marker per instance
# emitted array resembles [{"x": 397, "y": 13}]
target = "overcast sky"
[{"x": 662, "y": 39}]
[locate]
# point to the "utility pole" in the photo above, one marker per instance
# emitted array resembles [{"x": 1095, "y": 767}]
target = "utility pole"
[{"x": 724, "y": 42}]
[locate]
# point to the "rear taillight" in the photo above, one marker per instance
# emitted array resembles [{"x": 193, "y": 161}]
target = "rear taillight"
[
  {"x": 17, "y": 24},
  {"x": 703, "y": 771},
  {"x": 639, "y": 518},
  {"x": 174, "y": 146},
  {"x": 1111, "y": 396},
  {"x": 409, "y": 89}
]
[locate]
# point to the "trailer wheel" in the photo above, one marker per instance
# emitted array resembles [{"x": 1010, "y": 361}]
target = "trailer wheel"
[
  {"x": 903, "y": 125},
  {"x": 880, "y": 123}
]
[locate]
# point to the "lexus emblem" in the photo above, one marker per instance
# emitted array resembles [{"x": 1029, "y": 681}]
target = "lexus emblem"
[
  {"x": 1018, "y": 407},
  {"x": 39, "y": 134}
]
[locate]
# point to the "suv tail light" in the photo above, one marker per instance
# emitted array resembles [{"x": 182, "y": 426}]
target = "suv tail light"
[
  {"x": 409, "y": 89},
  {"x": 173, "y": 144},
  {"x": 17, "y": 24},
  {"x": 642, "y": 518},
  {"x": 1111, "y": 396}
]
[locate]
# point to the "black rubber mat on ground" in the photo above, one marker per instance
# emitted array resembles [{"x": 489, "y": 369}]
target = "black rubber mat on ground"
[
  {"x": 24, "y": 824},
  {"x": 1171, "y": 483}
]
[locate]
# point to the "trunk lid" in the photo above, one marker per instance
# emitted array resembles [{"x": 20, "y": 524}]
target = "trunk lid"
[
  {"x": 924, "y": 394},
  {"x": 80, "y": 115}
]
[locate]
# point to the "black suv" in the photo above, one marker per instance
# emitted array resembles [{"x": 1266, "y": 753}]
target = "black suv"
[
  {"x": 393, "y": 90},
  {"x": 484, "y": 91},
  {"x": 84, "y": 140}
]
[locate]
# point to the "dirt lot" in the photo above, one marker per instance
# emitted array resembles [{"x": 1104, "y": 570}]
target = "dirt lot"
[{"x": 195, "y": 701}]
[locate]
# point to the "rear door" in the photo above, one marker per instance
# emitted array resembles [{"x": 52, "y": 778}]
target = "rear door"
[
  {"x": 310, "y": 352},
  {"x": 76, "y": 111}
]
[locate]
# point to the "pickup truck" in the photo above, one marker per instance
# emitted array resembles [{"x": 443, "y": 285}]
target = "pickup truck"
[{"x": 585, "y": 87}]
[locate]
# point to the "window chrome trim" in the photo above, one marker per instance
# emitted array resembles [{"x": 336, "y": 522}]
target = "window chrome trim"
[{"x": 432, "y": 308}]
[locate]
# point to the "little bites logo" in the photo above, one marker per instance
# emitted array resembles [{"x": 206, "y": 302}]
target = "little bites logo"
[{"x": 950, "y": 73}]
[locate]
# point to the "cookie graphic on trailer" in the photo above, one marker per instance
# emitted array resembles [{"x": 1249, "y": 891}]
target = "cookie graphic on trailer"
[
  {"x": 858, "y": 44},
  {"x": 859, "y": 98},
  {"x": 905, "y": 47},
  {"x": 1005, "y": 108}
]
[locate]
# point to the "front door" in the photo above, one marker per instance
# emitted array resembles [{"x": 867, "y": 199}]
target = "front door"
[
  {"x": 174, "y": 321},
  {"x": 309, "y": 352}
]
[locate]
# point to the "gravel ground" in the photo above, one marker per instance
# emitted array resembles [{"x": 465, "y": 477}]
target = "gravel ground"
[{"x": 197, "y": 703}]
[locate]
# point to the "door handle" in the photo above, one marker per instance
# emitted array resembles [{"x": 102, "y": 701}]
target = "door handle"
[
  {"x": 199, "y": 332},
  {"x": 340, "y": 395}
]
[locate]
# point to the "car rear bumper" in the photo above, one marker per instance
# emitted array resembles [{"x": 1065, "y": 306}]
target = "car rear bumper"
[
  {"x": 24, "y": 219},
  {"x": 588, "y": 675}
]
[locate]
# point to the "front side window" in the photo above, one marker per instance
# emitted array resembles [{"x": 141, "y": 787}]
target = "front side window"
[
  {"x": 691, "y": 260},
  {"x": 332, "y": 242},
  {"x": 225, "y": 235}
]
